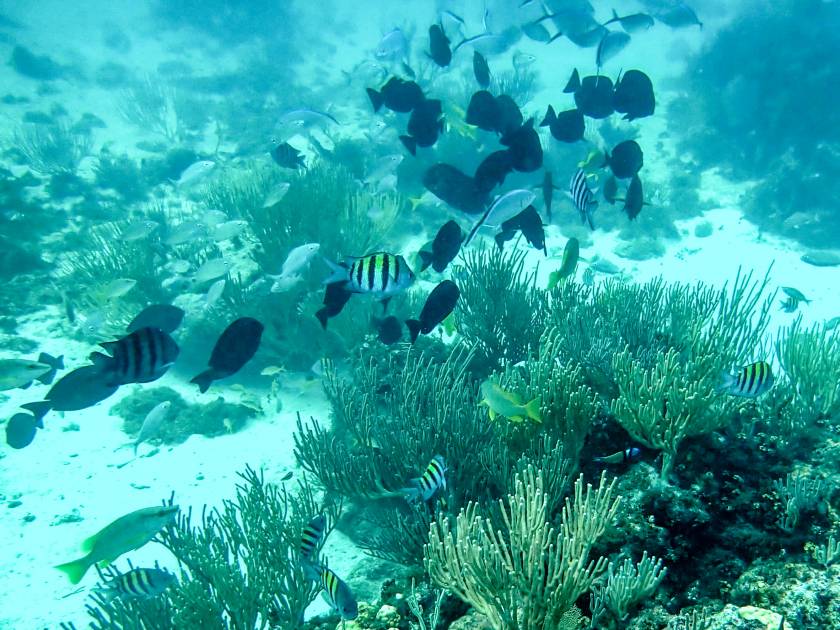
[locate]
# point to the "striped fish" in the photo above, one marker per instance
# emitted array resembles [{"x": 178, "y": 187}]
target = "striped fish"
[
  {"x": 138, "y": 583},
  {"x": 423, "y": 488},
  {"x": 379, "y": 274},
  {"x": 312, "y": 537},
  {"x": 751, "y": 380},
  {"x": 790, "y": 304},
  {"x": 336, "y": 593},
  {"x": 141, "y": 357},
  {"x": 582, "y": 197}
]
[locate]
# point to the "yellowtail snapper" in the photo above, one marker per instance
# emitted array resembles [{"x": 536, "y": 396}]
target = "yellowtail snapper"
[
  {"x": 750, "y": 381},
  {"x": 424, "y": 488}
]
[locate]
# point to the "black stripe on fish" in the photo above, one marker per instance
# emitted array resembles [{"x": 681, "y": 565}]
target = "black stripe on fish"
[
  {"x": 386, "y": 259},
  {"x": 371, "y": 272},
  {"x": 155, "y": 350},
  {"x": 359, "y": 268},
  {"x": 435, "y": 472},
  {"x": 396, "y": 268}
]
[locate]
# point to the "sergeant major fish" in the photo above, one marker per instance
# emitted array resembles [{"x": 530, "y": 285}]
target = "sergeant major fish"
[
  {"x": 336, "y": 593},
  {"x": 312, "y": 538},
  {"x": 139, "y": 583},
  {"x": 750, "y": 381},
  {"x": 433, "y": 479},
  {"x": 583, "y": 198},
  {"x": 380, "y": 274},
  {"x": 140, "y": 357}
]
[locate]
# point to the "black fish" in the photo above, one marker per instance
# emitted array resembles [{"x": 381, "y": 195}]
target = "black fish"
[
  {"x": 79, "y": 389},
  {"x": 493, "y": 170},
  {"x": 483, "y": 111},
  {"x": 163, "y": 316},
  {"x": 424, "y": 125},
  {"x": 573, "y": 84},
  {"x": 567, "y": 126},
  {"x": 397, "y": 95},
  {"x": 452, "y": 186},
  {"x": 529, "y": 223},
  {"x": 287, "y": 156},
  {"x": 389, "y": 330},
  {"x": 140, "y": 357},
  {"x": 633, "y": 95},
  {"x": 20, "y": 430},
  {"x": 55, "y": 363},
  {"x": 509, "y": 116},
  {"x": 610, "y": 189},
  {"x": 626, "y": 159},
  {"x": 439, "y": 49},
  {"x": 481, "y": 70},
  {"x": 526, "y": 154},
  {"x": 335, "y": 297},
  {"x": 548, "y": 189},
  {"x": 445, "y": 247},
  {"x": 234, "y": 348},
  {"x": 440, "y": 303},
  {"x": 594, "y": 97},
  {"x": 635, "y": 198}
]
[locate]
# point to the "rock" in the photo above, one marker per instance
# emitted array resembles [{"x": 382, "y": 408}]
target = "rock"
[
  {"x": 641, "y": 249},
  {"x": 703, "y": 230}
]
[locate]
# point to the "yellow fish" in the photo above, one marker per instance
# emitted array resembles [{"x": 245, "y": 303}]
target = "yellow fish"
[{"x": 507, "y": 404}]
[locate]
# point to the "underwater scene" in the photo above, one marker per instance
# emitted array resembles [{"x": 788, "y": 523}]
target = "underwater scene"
[{"x": 469, "y": 314}]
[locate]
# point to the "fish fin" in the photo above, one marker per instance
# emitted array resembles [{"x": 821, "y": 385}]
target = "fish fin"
[
  {"x": 100, "y": 360},
  {"x": 550, "y": 117},
  {"x": 203, "y": 380},
  {"x": 74, "y": 570},
  {"x": 426, "y": 259},
  {"x": 532, "y": 409},
  {"x": 39, "y": 409},
  {"x": 727, "y": 381},
  {"x": 310, "y": 569},
  {"x": 413, "y": 328},
  {"x": 491, "y": 412},
  {"x": 339, "y": 272},
  {"x": 376, "y": 99},
  {"x": 322, "y": 316},
  {"x": 557, "y": 35},
  {"x": 27, "y": 385},
  {"x": 410, "y": 143},
  {"x": 573, "y": 85}
]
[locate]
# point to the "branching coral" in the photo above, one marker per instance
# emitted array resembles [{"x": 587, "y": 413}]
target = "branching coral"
[
  {"x": 151, "y": 106},
  {"x": 238, "y": 568},
  {"x": 53, "y": 149},
  {"x": 525, "y": 574},
  {"x": 625, "y": 586},
  {"x": 501, "y": 310}
]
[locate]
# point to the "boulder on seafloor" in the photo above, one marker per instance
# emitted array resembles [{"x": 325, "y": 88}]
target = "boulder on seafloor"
[
  {"x": 641, "y": 249},
  {"x": 703, "y": 230}
]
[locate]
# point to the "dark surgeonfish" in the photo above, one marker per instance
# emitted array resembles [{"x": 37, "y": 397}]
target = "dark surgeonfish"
[
  {"x": 335, "y": 297},
  {"x": 493, "y": 170},
  {"x": 79, "y": 389},
  {"x": 163, "y": 316},
  {"x": 526, "y": 154},
  {"x": 593, "y": 94},
  {"x": 548, "y": 189},
  {"x": 445, "y": 246},
  {"x": 583, "y": 198},
  {"x": 481, "y": 70},
  {"x": 389, "y": 329},
  {"x": 439, "y": 49},
  {"x": 397, "y": 95},
  {"x": 285, "y": 155},
  {"x": 633, "y": 95},
  {"x": 567, "y": 126},
  {"x": 509, "y": 115},
  {"x": 140, "y": 357},
  {"x": 457, "y": 189},
  {"x": 440, "y": 303},
  {"x": 493, "y": 113},
  {"x": 21, "y": 429},
  {"x": 234, "y": 348},
  {"x": 530, "y": 224},
  {"x": 634, "y": 199},
  {"x": 424, "y": 125},
  {"x": 626, "y": 159}
]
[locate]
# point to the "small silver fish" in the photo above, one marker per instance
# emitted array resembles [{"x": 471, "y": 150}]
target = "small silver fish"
[
  {"x": 195, "y": 173},
  {"x": 298, "y": 258},
  {"x": 383, "y": 167},
  {"x": 152, "y": 422},
  {"x": 302, "y": 121},
  {"x": 118, "y": 288},
  {"x": 137, "y": 230},
  {"x": 211, "y": 270},
  {"x": 211, "y": 218},
  {"x": 214, "y": 292},
  {"x": 185, "y": 232},
  {"x": 503, "y": 208},
  {"x": 611, "y": 44},
  {"x": 276, "y": 195},
  {"x": 229, "y": 229},
  {"x": 393, "y": 47},
  {"x": 177, "y": 266}
]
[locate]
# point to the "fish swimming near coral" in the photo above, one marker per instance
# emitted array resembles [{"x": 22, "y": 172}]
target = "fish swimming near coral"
[
  {"x": 503, "y": 208},
  {"x": 286, "y": 156},
  {"x": 389, "y": 329},
  {"x": 627, "y": 456},
  {"x": 163, "y": 316},
  {"x": 380, "y": 274},
  {"x": 142, "y": 356},
  {"x": 750, "y": 381},
  {"x": 296, "y": 260},
  {"x": 633, "y": 22},
  {"x": 79, "y": 389},
  {"x": 127, "y": 533},
  {"x": 424, "y": 487},
  {"x": 481, "y": 70},
  {"x": 21, "y": 429},
  {"x": 152, "y": 422},
  {"x": 194, "y": 173},
  {"x": 336, "y": 297},
  {"x": 336, "y": 593},
  {"x": 508, "y": 404},
  {"x": 626, "y": 159},
  {"x": 571, "y": 254},
  {"x": 396, "y": 94},
  {"x": 529, "y": 223},
  {"x": 234, "y": 348},
  {"x": 583, "y": 198},
  {"x": 444, "y": 247},
  {"x": 567, "y": 126},
  {"x": 454, "y": 187},
  {"x": 424, "y": 125},
  {"x": 138, "y": 583},
  {"x": 440, "y": 303},
  {"x": 633, "y": 95},
  {"x": 312, "y": 538}
]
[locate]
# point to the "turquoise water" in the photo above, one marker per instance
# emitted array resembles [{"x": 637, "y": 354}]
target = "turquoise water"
[{"x": 338, "y": 275}]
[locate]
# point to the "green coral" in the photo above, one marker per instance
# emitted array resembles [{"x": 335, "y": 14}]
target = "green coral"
[{"x": 53, "y": 149}]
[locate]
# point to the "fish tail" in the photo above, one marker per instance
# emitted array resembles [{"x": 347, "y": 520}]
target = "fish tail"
[
  {"x": 203, "y": 380},
  {"x": 322, "y": 316},
  {"x": 339, "y": 273},
  {"x": 557, "y": 35},
  {"x": 75, "y": 570},
  {"x": 413, "y": 326},
  {"x": 426, "y": 259},
  {"x": 410, "y": 143},
  {"x": 100, "y": 360},
  {"x": 310, "y": 569},
  {"x": 532, "y": 409},
  {"x": 39, "y": 410},
  {"x": 727, "y": 382},
  {"x": 376, "y": 99},
  {"x": 550, "y": 117}
]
